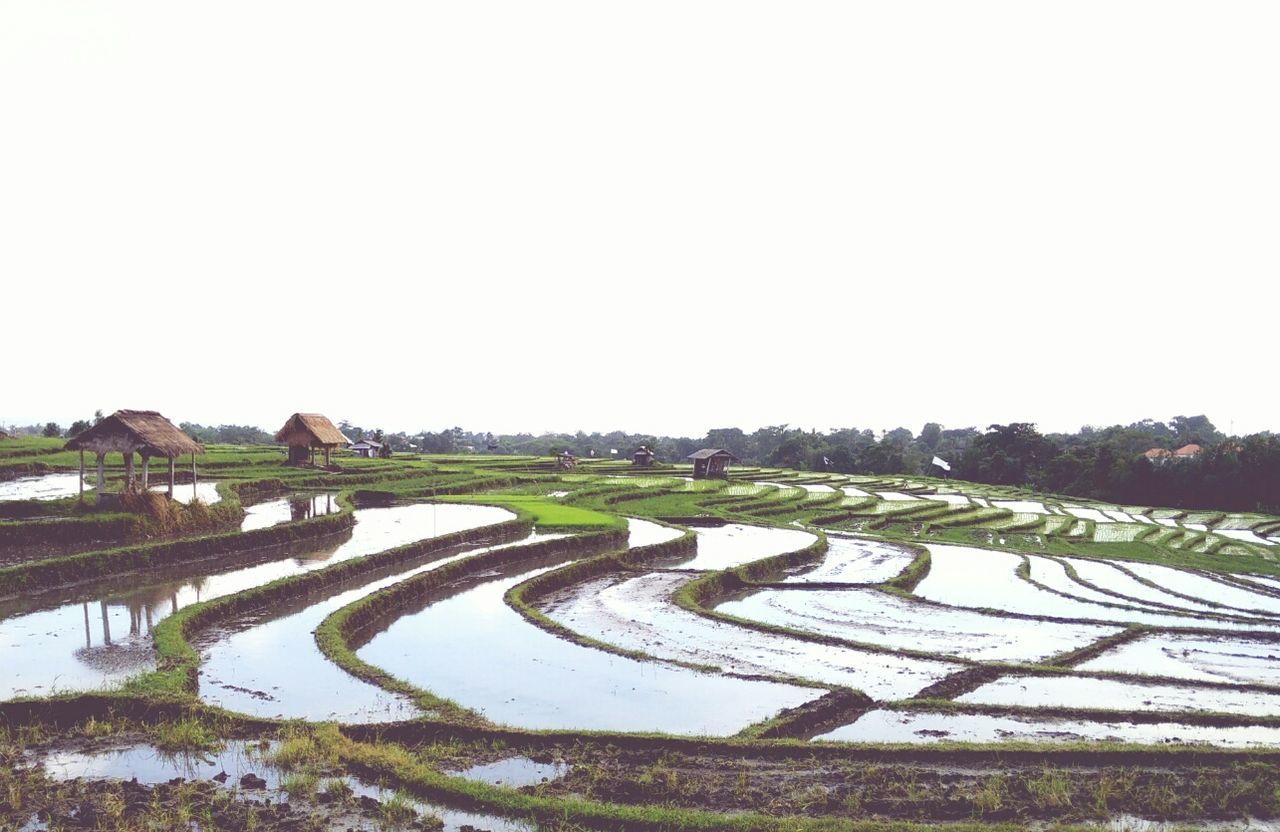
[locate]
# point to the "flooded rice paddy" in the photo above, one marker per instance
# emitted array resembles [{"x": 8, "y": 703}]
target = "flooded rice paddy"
[
  {"x": 724, "y": 547},
  {"x": 923, "y": 727},
  {"x": 240, "y": 761},
  {"x": 43, "y": 487},
  {"x": 851, "y": 560},
  {"x": 471, "y": 647},
  {"x": 288, "y": 510},
  {"x": 1195, "y": 657},
  {"x": 1114, "y": 695},
  {"x": 869, "y": 616},
  {"x": 268, "y": 664},
  {"x": 100, "y": 634},
  {"x": 636, "y": 613}
]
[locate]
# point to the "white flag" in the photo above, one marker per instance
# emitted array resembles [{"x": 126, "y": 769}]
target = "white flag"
[
  {"x": 941, "y": 463},
  {"x": 613, "y": 450}
]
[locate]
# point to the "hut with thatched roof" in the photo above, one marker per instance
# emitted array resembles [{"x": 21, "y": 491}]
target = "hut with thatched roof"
[
  {"x": 144, "y": 432},
  {"x": 304, "y": 432}
]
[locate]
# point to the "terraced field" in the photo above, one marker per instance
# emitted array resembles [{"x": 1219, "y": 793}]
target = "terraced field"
[{"x": 494, "y": 643}]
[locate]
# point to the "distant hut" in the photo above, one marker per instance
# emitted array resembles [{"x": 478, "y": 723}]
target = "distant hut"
[
  {"x": 127, "y": 432},
  {"x": 643, "y": 457},
  {"x": 711, "y": 463},
  {"x": 304, "y": 432},
  {"x": 367, "y": 448},
  {"x": 1187, "y": 451},
  {"x": 566, "y": 461}
]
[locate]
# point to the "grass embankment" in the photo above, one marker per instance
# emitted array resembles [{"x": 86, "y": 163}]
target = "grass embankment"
[{"x": 548, "y": 514}]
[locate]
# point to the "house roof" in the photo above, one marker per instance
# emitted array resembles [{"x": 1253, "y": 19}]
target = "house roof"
[
  {"x": 318, "y": 427},
  {"x": 707, "y": 453},
  {"x": 368, "y": 443},
  {"x": 1188, "y": 450},
  {"x": 643, "y": 452},
  {"x": 146, "y": 429},
  {"x": 1157, "y": 453}
]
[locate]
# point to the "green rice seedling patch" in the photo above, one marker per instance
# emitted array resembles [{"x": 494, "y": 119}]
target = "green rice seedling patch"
[{"x": 547, "y": 513}]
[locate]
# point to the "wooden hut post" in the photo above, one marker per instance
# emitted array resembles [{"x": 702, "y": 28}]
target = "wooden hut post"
[
  {"x": 82, "y": 475},
  {"x": 128, "y": 470},
  {"x": 171, "y": 477},
  {"x": 146, "y": 463},
  {"x": 327, "y": 463},
  {"x": 101, "y": 475},
  {"x": 194, "y": 481}
]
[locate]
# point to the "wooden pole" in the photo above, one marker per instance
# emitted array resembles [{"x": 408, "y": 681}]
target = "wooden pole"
[
  {"x": 194, "y": 481},
  {"x": 146, "y": 463},
  {"x": 101, "y": 475},
  {"x": 171, "y": 476},
  {"x": 128, "y": 470},
  {"x": 82, "y": 476}
]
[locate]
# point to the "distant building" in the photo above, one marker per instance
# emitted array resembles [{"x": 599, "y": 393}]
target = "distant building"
[
  {"x": 711, "y": 463},
  {"x": 566, "y": 461},
  {"x": 144, "y": 432},
  {"x": 1187, "y": 452},
  {"x": 1157, "y": 455},
  {"x": 304, "y": 432},
  {"x": 367, "y": 448},
  {"x": 643, "y": 457}
]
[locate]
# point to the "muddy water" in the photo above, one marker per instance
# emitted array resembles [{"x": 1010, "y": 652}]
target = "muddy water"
[
  {"x": 44, "y": 487},
  {"x": 873, "y": 617},
  {"x": 272, "y": 666},
  {"x": 723, "y": 547},
  {"x": 474, "y": 649},
  {"x": 856, "y": 561},
  {"x": 917, "y": 727},
  {"x": 1108, "y": 694},
  {"x": 854, "y": 492},
  {"x": 895, "y": 495},
  {"x": 150, "y": 766},
  {"x": 288, "y": 510},
  {"x": 964, "y": 576},
  {"x": 636, "y": 613},
  {"x": 1052, "y": 573},
  {"x": 98, "y": 635},
  {"x": 952, "y": 499},
  {"x": 1198, "y": 658},
  {"x": 513, "y": 772}
]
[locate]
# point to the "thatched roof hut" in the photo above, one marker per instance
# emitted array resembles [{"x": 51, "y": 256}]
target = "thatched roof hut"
[
  {"x": 127, "y": 432},
  {"x": 304, "y": 432}
]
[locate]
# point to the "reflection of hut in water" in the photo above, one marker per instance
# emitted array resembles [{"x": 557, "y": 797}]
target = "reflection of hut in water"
[
  {"x": 711, "y": 463},
  {"x": 127, "y": 432},
  {"x": 643, "y": 457},
  {"x": 304, "y": 432},
  {"x": 125, "y": 653},
  {"x": 304, "y": 508}
]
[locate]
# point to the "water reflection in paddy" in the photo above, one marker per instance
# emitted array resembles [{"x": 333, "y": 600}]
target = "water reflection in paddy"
[
  {"x": 474, "y": 649},
  {"x": 926, "y": 727},
  {"x": 288, "y": 510},
  {"x": 723, "y": 547},
  {"x": 44, "y": 487},
  {"x": 100, "y": 634},
  {"x": 268, "y": 664}
]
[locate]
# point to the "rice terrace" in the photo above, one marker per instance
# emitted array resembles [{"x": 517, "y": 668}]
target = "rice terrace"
[{"x": 315, "y": 633}]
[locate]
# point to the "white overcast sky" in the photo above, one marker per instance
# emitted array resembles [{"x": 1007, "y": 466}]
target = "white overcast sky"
[{"x": 659, "y": 217}]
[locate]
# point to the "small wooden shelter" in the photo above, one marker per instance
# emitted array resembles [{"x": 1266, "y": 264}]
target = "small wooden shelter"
[
  {"x": 643, "y": 457},
  {"x": 367, "y": 448},
  {"x": 127, "y": 432},
  {"x": 304, "y": 432},
  {"x": 711, "y": 463},
  {"x": 566, "y": 461}
]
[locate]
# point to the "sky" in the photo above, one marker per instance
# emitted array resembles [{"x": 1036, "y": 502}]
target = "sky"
[{"x": 661, "y": 217}]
